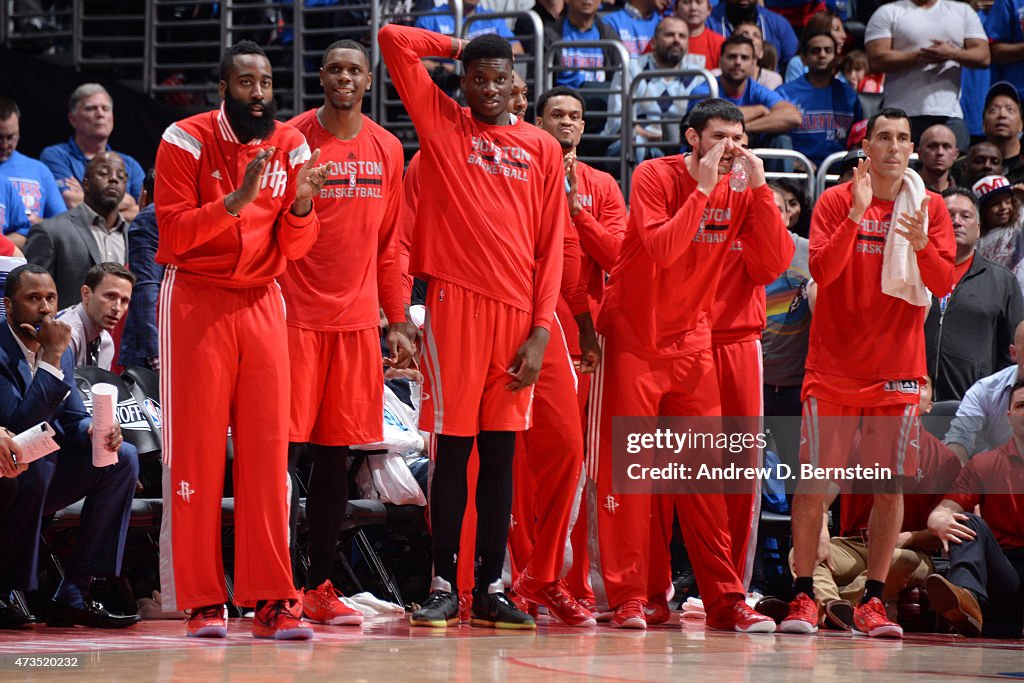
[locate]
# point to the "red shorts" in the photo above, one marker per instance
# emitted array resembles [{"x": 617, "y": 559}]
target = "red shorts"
[
  {"x": 837, "y": 435},
  {"x": 469, "y": 343},
  {"x": 337, "y": 387}
]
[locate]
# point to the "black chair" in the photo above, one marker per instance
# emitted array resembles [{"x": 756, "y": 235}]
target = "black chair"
[
  {"x": 938, "y": 420},
  {"x": 870, "y": 103}
]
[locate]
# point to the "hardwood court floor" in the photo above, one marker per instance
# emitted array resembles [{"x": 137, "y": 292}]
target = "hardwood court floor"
[{"x": 387, "y": 650}]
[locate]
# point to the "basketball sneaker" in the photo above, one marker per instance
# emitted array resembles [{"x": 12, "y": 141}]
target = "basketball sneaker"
[
  {"x": 276, "y": 620},
  {"x": 207, "y": 622},
  {"x": 493, "y": 609},
  {"x": 870, "y": 619},
  {"x": 802, "y": 617},
  {"x": 657, "y": 610},
  {"x": 561, "y": 605},
  {"x": 440, "y": 609},
  {"x": 323, "y": 606},
  {"x": 630, "y": 614},
  {"x": 741, "y": 618}
]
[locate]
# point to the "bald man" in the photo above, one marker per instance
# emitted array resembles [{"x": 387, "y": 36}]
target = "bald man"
[{"x": 937, "y": 151}]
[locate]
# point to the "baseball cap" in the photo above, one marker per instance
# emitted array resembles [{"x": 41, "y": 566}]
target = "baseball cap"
[
  {"x": 1003, "y": 88},
  {"x": 990, "y": 187},
  {"x": 851, "y": 160}
]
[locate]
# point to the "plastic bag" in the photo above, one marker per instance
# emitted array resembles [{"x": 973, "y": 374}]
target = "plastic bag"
[{"x": 386, "y": 477}]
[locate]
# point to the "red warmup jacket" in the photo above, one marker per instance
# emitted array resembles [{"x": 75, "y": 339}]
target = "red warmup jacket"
[
  {"x": 353, "y": 268},
  {"x": 660, "y": 294},
  {"x": 492, "y": 214},
  {"x": 198, "y": 163},
  {"x": 740, "y": 310},
  {"x": 601, "y": 226},
  {"x": 857, "y": 332}
]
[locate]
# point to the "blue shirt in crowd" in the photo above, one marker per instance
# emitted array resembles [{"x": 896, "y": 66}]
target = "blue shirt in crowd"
[
  {"x": 581, "y": 58},
  {"x": 444, "y": 23},
  {"x": 1003, "y": 25},
  {"x": 827, "y": 115},
  {"x": 753, "y": 93},
  {"x": 34, "y": 184},
  {"x": 775, "y": 29},
  {"x": 66, "y": 160},
  {"x": 12, "y": 212},
  {"x": 634, "y": 31}
]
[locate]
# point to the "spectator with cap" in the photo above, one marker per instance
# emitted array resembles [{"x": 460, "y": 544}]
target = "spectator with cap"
[
  {"x": 30, "y": 178},
  {"x": 828, "y": 108},
  {"x": 776, "y": 30},
  {"x": 968, "y": 333},
  {"x": 937, "y": 153},
  {"x": 1001, "y": 121},
  {"x": 921, "y": 46},
  {"x": 1002, "y": 237},
  {"x": 705, "y": 46},
  {"x": 91, "y": 115}
]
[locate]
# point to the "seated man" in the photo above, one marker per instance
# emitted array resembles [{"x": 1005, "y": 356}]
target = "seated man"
[
  {"x": 581, "y": 64},
  {"x": 10, "y": 468},
  {"x": 93, "y": 232},
  {"x": 765, "y": 112},
  {"x": 105, "y": 297},
  {"x": 30, "y": 178},
  {"x": 37, "y": 384},
  {"x": 982, "y": 592},
  {"x": 839, "y": 578},
  {"x": 91, "y": 114},
  {"x": 982, "y": 159}
]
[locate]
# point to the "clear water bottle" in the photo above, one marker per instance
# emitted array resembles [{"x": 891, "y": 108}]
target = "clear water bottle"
[{"x": 740, "y": 174}]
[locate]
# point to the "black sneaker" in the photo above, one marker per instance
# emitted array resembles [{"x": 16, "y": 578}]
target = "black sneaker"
[
  {"x": 495, "y": 610},
  {"x": 440, "y": 609}
]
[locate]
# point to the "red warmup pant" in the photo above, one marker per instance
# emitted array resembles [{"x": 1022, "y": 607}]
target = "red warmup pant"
[
  {"x": 629, "y": 385},
  {"x": 548, "y": 462},
  {"x": 224, "y": 363},
  {"x": 739, "y": 370}
]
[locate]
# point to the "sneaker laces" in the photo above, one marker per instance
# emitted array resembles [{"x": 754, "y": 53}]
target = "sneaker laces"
[
  {"x": 276, "y": 608},
  {"x": 435, "y": 600},
  {"x": 634, "y": 604}
]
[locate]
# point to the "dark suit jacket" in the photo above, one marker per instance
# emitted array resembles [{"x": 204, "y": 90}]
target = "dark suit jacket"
[
  {"x": 139, "y": 341},
  {"x": 26, "y": 401},
  {"x": 65, "y": 247}
]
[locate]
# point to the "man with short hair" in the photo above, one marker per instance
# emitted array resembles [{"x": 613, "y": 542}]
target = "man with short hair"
[
  {"x": 93, "y": 232},
  {"x": 937, "y": 152},
  {"x": 705, "y": 45},
  {"x": 333, "y": 296},
  {"x": 234, "y": 192},
  {"x": 30, "y": 178},
  {"x": 765, "y": 112},
  {"x": 977, "y": 319},
  {"x": 91, "y": 115},
  {"x": 828, "y": 107},
  {"x": 490, "y": 223},
  {"x": 981, "y": 593},
  {"x": 658, "y": 359},
  {"x": 106, "y": 293},
  {"x": 38, "y": 384},
  {"x": 983, "y": 159},
  {"x": 656, "y": 121},
  {"x": 921, "y": 46},
  {"x": 729, "y": 14},
  {"x": 858, "y": 377}
]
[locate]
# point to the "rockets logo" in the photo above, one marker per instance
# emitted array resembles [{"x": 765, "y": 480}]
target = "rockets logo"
[
  {"x": 610, "y": 504},
  {"x": 185, "y": 490},
  {"x": 275, "y": 177}
]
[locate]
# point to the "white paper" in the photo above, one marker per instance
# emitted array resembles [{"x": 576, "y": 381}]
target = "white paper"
[
  {"x": 36, "y": 442},
  {"x": 104, "y": 401}
]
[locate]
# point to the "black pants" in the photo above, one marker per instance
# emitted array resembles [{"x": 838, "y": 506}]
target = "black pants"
[{"x": 995, "y": 575}]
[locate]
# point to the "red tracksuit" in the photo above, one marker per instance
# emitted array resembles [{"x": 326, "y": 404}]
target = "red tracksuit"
[
  {"x": 224, "y": 357},
  {"x": 658, "y": 359},
  {"x": 866, "y": 350},
  {"x": 333, "y": 293},
  {"x": 490, "y": 221}
]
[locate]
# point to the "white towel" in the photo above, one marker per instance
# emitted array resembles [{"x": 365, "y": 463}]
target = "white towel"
[{"x": 901, "y": 277}]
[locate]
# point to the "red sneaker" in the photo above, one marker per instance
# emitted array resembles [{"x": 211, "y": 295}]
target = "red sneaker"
[
  {"x": 870, "y": 619},
  {"x": 207, "y": 622},
  {"x": 802, "y": 617},
  {"x": 323, "y": 606},
  {"x": 743, "y": 619},
  {"x": 630, "y": 614},
  {"x": 657, "y": 611},
  {"x": 561, "y": 605},
  {"x": 275, "y": 620}
]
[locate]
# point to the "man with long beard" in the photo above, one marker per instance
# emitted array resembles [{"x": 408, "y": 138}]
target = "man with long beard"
[{"x": 234, "y": 196}]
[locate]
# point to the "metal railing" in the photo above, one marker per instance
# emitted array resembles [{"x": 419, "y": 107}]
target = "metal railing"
[
  {"x": 532, "y": 59},
  {"x": 316, "y": 27},
  {"x": 805, "y": 177},
  {"x": 669, "y": 121},
  {"x": 47, "y": 30},
  {"x": 594, "y": 144},
  {"x": 112, "y": 33}
]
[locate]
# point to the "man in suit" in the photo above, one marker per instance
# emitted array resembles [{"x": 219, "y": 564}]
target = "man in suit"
[
  {"x": 93, "y": 232},
  {"x": 37, "y": 384},
  {"x": 139, "y": 343}
]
